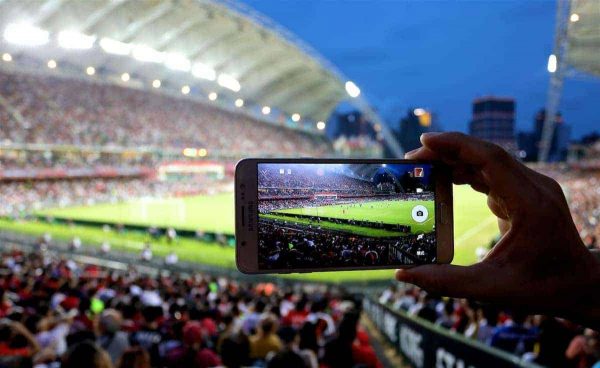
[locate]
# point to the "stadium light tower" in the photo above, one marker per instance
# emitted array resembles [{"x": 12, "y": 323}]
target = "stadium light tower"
[{"x": 556, "y": 67}]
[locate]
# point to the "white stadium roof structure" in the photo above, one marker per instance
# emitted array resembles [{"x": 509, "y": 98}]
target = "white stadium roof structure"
[
  {"x": 576, "y": 53},
  {"x": 211, "y": 47}
]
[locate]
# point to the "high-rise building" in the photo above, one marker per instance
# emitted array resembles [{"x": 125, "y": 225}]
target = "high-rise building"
[{"x": 494, "y": 120}]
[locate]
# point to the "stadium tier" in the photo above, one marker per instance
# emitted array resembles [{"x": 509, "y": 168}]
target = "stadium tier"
[
  {"x": 52, "y": 110},
  {"x": 55, "y": 309}
]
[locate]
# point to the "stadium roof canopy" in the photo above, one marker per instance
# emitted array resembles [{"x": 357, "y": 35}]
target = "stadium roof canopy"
[
  {"x": 222, "y": 47},
  {"x": 583, "y": 36}
]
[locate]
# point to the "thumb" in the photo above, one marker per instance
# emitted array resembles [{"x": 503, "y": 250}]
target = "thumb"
[{"x": 445, "y": 279}]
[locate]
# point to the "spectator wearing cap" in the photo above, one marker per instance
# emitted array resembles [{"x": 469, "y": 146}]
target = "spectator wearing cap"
[{"x": 194, "y": 352}]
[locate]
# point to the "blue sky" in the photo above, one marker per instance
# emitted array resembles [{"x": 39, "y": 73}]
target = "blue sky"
[{"x": 440, "y": 54}]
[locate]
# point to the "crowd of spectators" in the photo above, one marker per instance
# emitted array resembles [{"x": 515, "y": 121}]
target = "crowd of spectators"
[
  {"x": 20, "y": 198},
  {"x": 274, "y": 180},
  {"x": 583, "y": 194},
  {"x": 287, "y": 245},
  {"x": 74, "y": 112},
  {"x": 547, "y": 341},
  {"x": 59, "y": 313}
]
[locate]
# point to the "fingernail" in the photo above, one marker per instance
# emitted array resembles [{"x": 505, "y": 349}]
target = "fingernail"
[
  {"x": 428, "y": 135},
  {"x": 410, "y": 153}
]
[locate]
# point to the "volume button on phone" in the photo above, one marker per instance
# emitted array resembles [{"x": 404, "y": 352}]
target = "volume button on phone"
[{"x": 444, "y": 218}]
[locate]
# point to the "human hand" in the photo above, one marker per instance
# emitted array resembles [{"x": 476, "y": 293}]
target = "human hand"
[{"x": 540, "y": 263}]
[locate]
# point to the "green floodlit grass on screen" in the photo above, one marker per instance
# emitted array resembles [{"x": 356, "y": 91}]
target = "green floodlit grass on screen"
[
  {"x": 389, "y": 212},
  {"x": 474, "y": 226}
]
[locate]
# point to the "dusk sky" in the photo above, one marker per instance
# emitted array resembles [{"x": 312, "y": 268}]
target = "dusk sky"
[{"x": 441, "y": 55}]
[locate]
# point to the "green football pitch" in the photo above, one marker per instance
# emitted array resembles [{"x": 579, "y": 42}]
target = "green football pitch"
[
  {"x": 474, "y": 226},
  {"x": 387, "y": 212}
]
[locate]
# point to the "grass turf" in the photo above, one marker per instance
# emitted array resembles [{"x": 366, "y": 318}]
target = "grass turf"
[
  {"x": 388, "y": 212},
  {"x": 474, "y": 226}
]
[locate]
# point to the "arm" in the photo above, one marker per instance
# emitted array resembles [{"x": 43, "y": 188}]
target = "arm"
[{"x": 540, "y": 263}]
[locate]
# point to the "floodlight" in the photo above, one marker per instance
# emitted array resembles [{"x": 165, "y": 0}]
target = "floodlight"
[
  {"x": 185, "y": 89},
  {"x": 321, "y": 125},
  {"x": 75, "y": 40},
  {"x": 147, "y": 54},
  {"x": 190, "y": 152},
  {"x": 419, "y": 111},
  {"x": 574, "y": 17},
  {"x": 156, "y": 83},
  {"x": 51, "y": 64},
  {"x": 25, "y": 34},
  {"x": 115, "y": 47},
  {"x": 239, "y": 102},
  {"x": 296, "y": 117},
  {"x": 212, "y": 96},
  {"x": 6, "y": 57},
  {"x": 229, "y": 82},
  {"x": 125, "y": 77},
  {"x": 266, "y": 110},
  {"x": 90, "y": 70},
  {"x": 552, "y": 63},
  {"x": 203, "y": 71},
  {"x": 352, "y": 89},
  {"x": 176, "y": 61}
]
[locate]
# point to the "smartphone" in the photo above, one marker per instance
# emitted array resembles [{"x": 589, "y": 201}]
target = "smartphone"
[{"x": 306, "y": 215}]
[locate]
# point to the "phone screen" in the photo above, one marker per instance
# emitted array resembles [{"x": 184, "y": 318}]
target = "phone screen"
[{"x": 345, "y": 215}]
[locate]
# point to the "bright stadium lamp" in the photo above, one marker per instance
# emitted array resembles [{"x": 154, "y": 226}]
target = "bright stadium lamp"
[
  {"x": 203, "y": 71},
  {"x": 51, "y": 64},
  {"x": 229, "y": 82},
  {"x": 239, "y": 102},
  {"x": 125, "y": 77},
  {"x": 147, "y": 54},
  {"x": 115, "y": 47},
  {"x": 266, "y": 110},
  {"x": 90, "y": 70},
  {"x": 202, "y": 152},
  {"x": 296, "y": 117},
  {"x": 25, "y": 34},
  {"x": 190, "y": 152},
  {"x": 352, "y": 89},
  {"x": 156, "y": 83},
  {"x": 419, "y": 111},
  {"x": 6, "y": 57},
  {"x": 321, "y": 125},
  {"x": 176, "y": 61},
  {"x": 75, "y": 40},
  {"x": 574, "y": 17},
  {"x": 552, "y": 63},
  {"x": 213, "y": 96},
  {"x": 185, "y": 89}
]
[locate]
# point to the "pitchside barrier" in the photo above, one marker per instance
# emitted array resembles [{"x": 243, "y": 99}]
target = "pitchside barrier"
[{"x": 423, "y": 344}]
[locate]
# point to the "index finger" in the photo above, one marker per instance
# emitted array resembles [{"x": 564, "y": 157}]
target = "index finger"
[{"x": 501, "y": 173}]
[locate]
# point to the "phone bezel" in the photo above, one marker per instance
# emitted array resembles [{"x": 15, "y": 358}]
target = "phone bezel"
[{"x": 246, "y": 212}]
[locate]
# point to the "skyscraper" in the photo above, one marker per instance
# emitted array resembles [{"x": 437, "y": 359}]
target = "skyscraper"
[{"x": 494, "y": 120}]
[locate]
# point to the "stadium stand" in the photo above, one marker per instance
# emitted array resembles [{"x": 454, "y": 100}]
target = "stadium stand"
[
  {"x": 547, "y": 341},
  {"x": 73, "y": 112},
  {"x": 58, "y": 312}
]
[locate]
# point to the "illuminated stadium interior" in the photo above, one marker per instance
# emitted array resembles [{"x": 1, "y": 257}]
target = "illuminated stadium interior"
[{"x": 121, "y": 122}]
